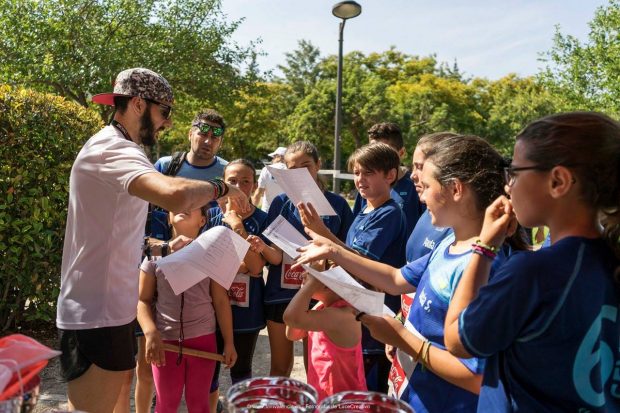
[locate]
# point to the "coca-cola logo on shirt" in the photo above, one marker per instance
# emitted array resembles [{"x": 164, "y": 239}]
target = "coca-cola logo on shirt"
[
  {"x": 293, "y": 277},
  {"x": 238, "y": 292}
]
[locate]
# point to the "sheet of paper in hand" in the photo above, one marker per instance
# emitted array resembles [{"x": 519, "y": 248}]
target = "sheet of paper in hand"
[
  {"x": 363, "y": 299},
  {"x": 300, "y": 187},
  {"x": 285, "y": 236},
  {"x": 216, "y": 253}
]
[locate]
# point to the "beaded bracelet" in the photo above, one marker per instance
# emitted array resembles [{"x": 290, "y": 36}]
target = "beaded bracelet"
[
  {"x": 487, "y": 246},
  {"x": 482, "y": 251}
]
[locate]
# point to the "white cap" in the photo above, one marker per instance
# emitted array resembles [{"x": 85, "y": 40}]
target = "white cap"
[{"x": 280, "y": 151}]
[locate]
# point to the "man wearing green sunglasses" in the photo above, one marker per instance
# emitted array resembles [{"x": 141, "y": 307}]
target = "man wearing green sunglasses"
[{"x": 205, "y": 136}]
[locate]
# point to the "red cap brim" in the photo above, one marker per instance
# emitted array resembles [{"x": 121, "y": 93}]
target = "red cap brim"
[{"x": 106, "y": 98}]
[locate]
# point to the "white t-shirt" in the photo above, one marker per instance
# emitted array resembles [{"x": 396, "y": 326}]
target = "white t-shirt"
[
  {"x": 103, "y": 237},
  {"x": 268, "y": 182}
]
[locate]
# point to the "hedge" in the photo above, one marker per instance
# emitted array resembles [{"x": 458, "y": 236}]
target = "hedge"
[{"x": 40, "y": 135}]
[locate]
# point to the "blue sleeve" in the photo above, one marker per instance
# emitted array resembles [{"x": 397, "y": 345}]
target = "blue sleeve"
[
  {"x": 496, "y": 317},
  {"x": 158, "y": 165},
  {"x": 357, "y": 206},
  {"x": 379, "y": 233},
  {"x": 413, "y": 271},
  {"x": 274, "y": 210},
  {"x": 346, "y": 219}
]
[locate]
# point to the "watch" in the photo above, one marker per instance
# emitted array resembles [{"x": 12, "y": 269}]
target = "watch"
[{"x": 165, "y": 249}]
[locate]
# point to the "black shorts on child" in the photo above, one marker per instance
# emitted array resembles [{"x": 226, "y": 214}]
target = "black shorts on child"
[
  {"x": 109, "y": 348},
  {"x": 275, "y": 312}
]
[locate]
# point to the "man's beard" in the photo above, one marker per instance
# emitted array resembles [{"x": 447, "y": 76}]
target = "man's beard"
[{"x": 147, "y": 129}]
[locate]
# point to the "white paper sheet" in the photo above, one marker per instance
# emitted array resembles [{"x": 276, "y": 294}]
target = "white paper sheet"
[
  {"x": 216, "y": 253},
  {"x": 285, "y": 236},
  {"x": 288, "y": 239},
  {"x": 300, "y": 187},
  {"x": 339, "y": 281}
]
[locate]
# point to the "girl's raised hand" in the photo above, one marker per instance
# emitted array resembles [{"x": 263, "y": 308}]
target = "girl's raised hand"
[
  {"x": 257, "y": 245},
  {"x": 320, "y": 248},
  {"x": 311, "y": 219},
  {"x": 499, "y": 222},
  {"x": 179, "y": 242}
]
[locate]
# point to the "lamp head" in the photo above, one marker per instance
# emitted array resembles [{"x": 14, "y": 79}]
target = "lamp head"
[{"x": 347, "y": 9}]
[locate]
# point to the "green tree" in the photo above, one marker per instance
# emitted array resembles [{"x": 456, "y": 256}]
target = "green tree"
[
  {"x": 302, "y": 70},
  {"x": 75, "y": 48},
  {"x": 507, "y": 105},
  {"x": 584, "y": 75},
  {"x": 40, "y": 135},
  {"x": 256, "y": 121}
]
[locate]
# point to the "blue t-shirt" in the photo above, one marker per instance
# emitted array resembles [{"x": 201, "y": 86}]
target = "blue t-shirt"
[
  {"x": 187, "y": 170},
  {"x": 158, "y": 216},
  {"x": 252, "y": 317},
  {"x": 548, "y": 323},
  {"x": 436, "y": 276},
  {"x": 405, "y": 195},
  {"x": 379, "y": 235},
  {"x": 281, "y": 205},
  {"x": 424, "y": 238}
]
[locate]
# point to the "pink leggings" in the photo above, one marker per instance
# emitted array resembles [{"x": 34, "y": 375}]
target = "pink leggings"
[{"x": 193, "y": 373}]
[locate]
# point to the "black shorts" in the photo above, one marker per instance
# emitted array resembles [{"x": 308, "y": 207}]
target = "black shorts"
[
  {"x": 274, "y": 312},
  {"x": 109, "y": 348}
]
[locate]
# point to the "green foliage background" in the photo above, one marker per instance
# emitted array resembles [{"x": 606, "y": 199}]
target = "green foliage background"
[{"x": 40, "y": 135}]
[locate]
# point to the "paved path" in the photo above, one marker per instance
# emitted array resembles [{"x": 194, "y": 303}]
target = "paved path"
[{"x": 53, "y": 390}]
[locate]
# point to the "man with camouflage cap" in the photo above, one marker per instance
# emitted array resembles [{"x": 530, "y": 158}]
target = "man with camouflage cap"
[{"x": 111, "y": 183}]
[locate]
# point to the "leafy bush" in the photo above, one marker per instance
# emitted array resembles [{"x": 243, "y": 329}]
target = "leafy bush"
[{"x": 40, "y": 136}]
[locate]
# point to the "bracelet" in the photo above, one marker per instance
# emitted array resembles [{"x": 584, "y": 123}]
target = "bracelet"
[
  {"x": 220, "y": 188},
  {"x": 419, "y": 353},
  {"x": 425, "y": 355},
  {"x": 486, "y": 246},
  {"x": 359, "y": 315},
  {"x": 165, "y": 249},
  {"x": 483, "y": 251}
]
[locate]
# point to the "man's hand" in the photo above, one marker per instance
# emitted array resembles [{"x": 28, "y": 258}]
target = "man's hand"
[{"x": 239, "y": 199}]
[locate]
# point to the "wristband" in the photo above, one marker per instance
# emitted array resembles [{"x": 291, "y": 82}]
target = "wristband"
[
  {"x": 483, "y": 251},
  {"x": 486, "y": 246},
  {"x": 220, "y": 188},
  {"x": 165, "y": 249}
]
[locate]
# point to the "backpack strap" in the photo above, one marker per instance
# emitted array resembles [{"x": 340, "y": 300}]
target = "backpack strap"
[
  {"x": 173, "y": 168},
  {"x": 175, "y": 163}
]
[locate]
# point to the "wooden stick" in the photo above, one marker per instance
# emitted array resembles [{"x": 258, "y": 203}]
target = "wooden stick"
[{"x": 196, "y": 353}]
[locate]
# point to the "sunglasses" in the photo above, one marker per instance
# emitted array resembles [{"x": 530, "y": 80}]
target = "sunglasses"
[
  {"x": 204, "y": 128},
  {"x": 165, "y": 110}
]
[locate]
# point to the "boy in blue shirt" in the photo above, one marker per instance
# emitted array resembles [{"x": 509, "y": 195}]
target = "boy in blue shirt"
[
  {"x": 378, "y": 232},
  {"x": 403, "y": 191}
]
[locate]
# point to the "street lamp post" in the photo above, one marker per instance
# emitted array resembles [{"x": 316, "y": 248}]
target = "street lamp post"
[{"x": 343, "y": 10}]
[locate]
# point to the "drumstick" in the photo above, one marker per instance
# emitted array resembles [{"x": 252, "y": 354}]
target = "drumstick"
[{"x": 197, "y": 353}]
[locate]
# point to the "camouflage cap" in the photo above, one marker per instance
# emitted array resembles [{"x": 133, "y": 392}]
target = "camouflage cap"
[{"x": 139, "y": 82}]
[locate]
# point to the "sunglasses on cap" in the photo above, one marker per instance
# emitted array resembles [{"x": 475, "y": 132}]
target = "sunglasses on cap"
[
  {"x": 204, "y": 128},
  {"x": 165, "y": 110}
]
